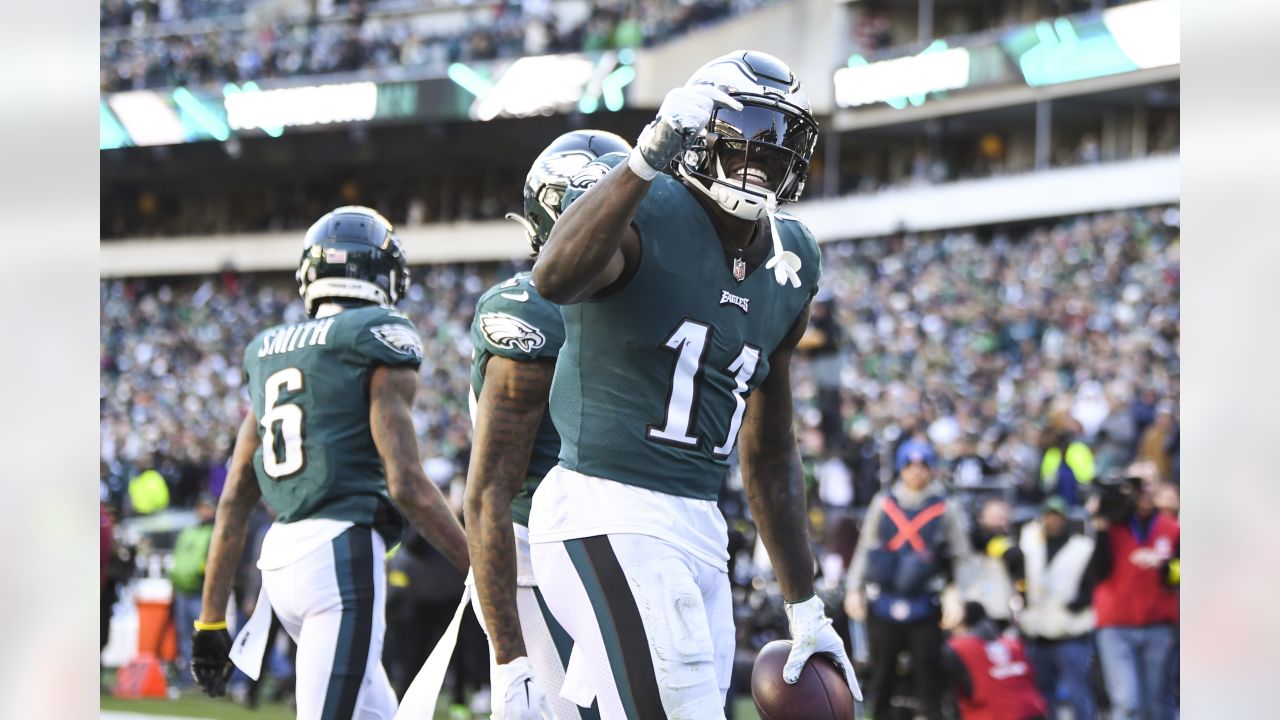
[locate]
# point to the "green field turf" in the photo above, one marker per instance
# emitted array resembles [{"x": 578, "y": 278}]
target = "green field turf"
[{"x": 195, "y": 705}]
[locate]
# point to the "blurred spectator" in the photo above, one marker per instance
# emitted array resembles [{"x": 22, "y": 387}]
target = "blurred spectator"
[
  {"x": 1057, "y": 620},
  {"x": 821, "y": 344},
  {"x": 863, "y": 460},
  {"x": 912, "y": 541},
  {"x": 1067, "y": 465},
  {"x": 1135, "y": 601},
  {"x": 1116, "y": 437},
  {"x": 1168, "y": 499},
  {"x": 106, "y": 578},
  {"x": 835, "y": 484},
  {"x": 971, "y": 466},
  {"x": 187, "y": 576},
  {"x": 989, "y": 672},
  {"x": 986, "y": 575},
  {"x": 1157, "y": 440}
]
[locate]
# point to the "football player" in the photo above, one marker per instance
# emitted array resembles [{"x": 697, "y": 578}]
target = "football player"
[
  {"x": 517, "y": 335},
  {"x": 684, "y": 292},
  {"x": 331, "y": 409}
]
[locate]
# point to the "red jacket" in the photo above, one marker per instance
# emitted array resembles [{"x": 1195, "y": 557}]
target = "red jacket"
[
  {"x": 1004, "y": 687},
  {"x": 1132, "y": 594}
]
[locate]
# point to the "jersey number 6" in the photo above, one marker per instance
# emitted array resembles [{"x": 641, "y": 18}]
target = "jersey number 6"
[{"x": 289, "y": 419}]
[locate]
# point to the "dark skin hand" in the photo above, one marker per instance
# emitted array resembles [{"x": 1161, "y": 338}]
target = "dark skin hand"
[
  {"x": 772, "y": 475},
  {"x": 510, "y": 407},
  {"x": 391, "y": 391},
  {"x": 231, "y": 524},
  {"x": 593, "y": 243}
]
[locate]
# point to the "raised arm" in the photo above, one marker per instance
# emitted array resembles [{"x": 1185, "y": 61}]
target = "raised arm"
[
  {"x": 211, "y": 643},
  {"x": 593, "y": 245},
  {"x": 593, "y": 241},
  {"x": 391, "y": 391},
  {"x": 508, "y": 413}
]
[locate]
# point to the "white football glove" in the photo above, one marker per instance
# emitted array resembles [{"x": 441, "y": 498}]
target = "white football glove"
[
  {"x": 522, "y": 697},
  {"x": 681, "y": 119},
  {"x": 811, "y": 632}
]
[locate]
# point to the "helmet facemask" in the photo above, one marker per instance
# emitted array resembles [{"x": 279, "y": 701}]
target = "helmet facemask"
[{"x": 749, "y": 154}]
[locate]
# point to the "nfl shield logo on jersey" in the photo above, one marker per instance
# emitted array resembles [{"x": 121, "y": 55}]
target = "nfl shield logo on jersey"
[{"x": 739, "y": 269}]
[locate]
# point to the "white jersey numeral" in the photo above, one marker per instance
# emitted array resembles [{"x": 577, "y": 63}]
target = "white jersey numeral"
[
  {"x": 690, "y": 341},
  {"x": 290, "y": 417},
  {"x": 745, "y": 367}
]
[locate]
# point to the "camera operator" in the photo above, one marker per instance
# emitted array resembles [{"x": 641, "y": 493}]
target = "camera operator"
[{"x": 1135, "y": 599}]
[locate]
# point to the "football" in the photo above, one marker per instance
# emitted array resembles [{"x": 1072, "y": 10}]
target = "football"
[{"x": 819, "y": 694}]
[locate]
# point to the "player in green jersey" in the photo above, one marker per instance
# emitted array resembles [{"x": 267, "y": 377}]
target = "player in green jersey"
[
  {"x": 330, "y": 446},
  {"x": 516, "y": 336},
  {"x": 684, "y": 292}
]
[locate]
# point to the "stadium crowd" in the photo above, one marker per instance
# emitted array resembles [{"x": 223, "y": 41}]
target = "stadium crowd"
[
  {"x": 989, "y": 346},
  {"x": 360, "y": 38}
]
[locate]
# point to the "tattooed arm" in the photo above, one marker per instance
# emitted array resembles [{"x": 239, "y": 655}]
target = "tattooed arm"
[
  {"x": 391, "y": 391},
  {"x": 231, "y": 525},
  {"x": 509, "y": 410},
  {"x": 772, "y": 476}
]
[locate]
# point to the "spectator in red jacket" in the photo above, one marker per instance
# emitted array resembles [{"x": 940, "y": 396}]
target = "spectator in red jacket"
[
  {"x": 990, "y": 672},
  {"x": 1135, "y": 599}
]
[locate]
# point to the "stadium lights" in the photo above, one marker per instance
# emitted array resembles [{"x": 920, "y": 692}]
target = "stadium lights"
[
  {"x": 1147, "y": 32},
  {"x": 902, "y": 80},
  {"x": 611, "y": 86},
  {"x": 210, "y": 123},
  {"x": 469, "y": 80},
  {"x": 111, "y": 134},
  {"x": 272, "y": 110},
  {"x": 147, "y": 118},
  {"x": 536, "y": 86}
]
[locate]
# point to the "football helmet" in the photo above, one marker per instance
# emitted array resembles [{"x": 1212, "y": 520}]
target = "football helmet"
[
  {"x": 761, "y": 150},
  {"x": 352, "y": 253},
  {"x": 548, "y": 178}
]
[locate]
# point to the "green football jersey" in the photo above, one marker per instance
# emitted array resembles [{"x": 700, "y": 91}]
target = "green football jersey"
[
  {"x": 309, "y": 383},
  {"x": 513, "y": 321},
  {"x": 651, "y": 385}
]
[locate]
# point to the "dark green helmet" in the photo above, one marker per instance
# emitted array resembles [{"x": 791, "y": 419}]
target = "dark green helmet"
[
  {"x": 548, "y": 178},
  {"x": 352, "y": 253}
]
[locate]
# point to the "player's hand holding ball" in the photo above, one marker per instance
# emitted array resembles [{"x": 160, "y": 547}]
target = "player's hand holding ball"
[
  {"x": 681, "y": 120},
  {"x": 522, "y": 698},
  {"x": 811, "y": 632},
  {"x": 211, "y": 657}
]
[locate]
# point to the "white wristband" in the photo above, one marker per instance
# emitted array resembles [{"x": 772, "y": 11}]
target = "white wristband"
[{"x": 640, "y": 166}]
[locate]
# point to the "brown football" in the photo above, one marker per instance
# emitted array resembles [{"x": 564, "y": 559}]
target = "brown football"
[{"x": 820, "y": 694}]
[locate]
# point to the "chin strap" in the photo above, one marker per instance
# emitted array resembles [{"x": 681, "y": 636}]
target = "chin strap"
[
  {"x": 784, "y": 263},
  {"x": 528, "y": 226}
]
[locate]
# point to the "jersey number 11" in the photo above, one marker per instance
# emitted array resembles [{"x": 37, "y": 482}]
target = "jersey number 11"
[{"x": 690, "y": 342}]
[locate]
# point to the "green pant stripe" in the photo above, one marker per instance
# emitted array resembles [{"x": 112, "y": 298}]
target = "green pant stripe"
[
  {"x": 353, "y": 565},
  {"x": 620, "y": 624},
  {"x": 564, "y": 648}
]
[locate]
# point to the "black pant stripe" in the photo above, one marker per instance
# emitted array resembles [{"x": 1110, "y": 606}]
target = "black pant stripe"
[
  {"x": 620, "y": 625},
  {"x": 353, "y": 565}
]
